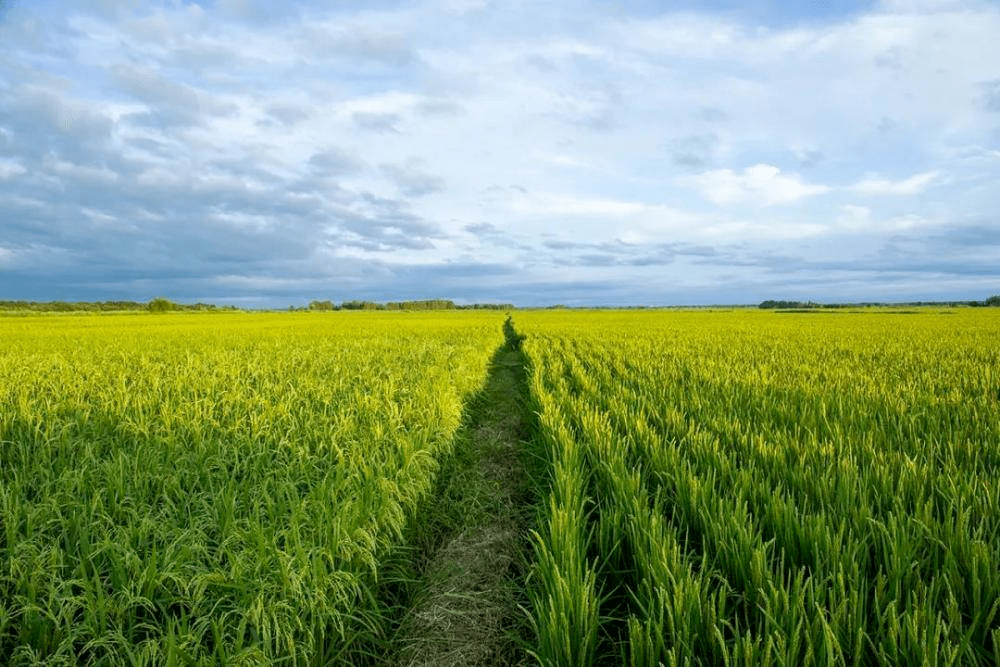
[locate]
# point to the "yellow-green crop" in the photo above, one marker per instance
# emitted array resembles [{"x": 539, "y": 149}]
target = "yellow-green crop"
[
  {"x": 735, "y": 488},
  {"x": 768, "y": 488},
  {"x": 217, "y": 489}
]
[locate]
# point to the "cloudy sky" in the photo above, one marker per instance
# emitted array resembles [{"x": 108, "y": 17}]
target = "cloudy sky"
[{"x": 554, "y": 151}]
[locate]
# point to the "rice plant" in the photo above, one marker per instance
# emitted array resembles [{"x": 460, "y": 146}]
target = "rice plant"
[
  {"x": 768, "y": 488},
  {"x": 220, "y": 488}
]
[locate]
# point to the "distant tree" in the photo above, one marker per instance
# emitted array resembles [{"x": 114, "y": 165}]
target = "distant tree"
[
  {"x": 993, "y": 301},
  {"x": 320, "y": 305},
  {"x": 156, "y": 305},
  {"x": 771, "y": 303},
  {"x": 160, "y": 305},
  {"x": 360, "y": 305},
  {"x": 491, "y": 306}
]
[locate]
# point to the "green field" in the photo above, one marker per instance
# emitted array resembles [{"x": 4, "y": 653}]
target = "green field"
[
  {"x": 769, "y": 488},
  {"x": 219, "y": 488},
  {"x": 718, "y": 488}
]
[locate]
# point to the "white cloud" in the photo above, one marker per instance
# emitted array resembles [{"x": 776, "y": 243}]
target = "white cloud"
[
  {"x": 725, "y": 231},
  {"x": 908, "y": 222},
  {"x": 910, "y": 186},
  {"x": 411, "y": 179},
  {"x": 387, "y": 103},
  {"x": 463, "y": 6},
  {"x": 10, "y": 169},
  {"x": 561, "y": 205},
  {"x": 561, "y": 159},
  {"x": 81, "y": 173},
  {"x": 685, "y": 35},
  {"x": 761, "y": 184},
  {"x": 915, "y": 6},
  {"x": 360, "y": 43},
  {"x": 854, "y": 218}
]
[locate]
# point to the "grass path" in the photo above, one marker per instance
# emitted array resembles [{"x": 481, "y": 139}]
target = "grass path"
[{"x": 466, "y": 609}]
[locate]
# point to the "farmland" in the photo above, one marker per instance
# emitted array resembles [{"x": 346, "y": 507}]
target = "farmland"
[
  {"x": 768, "y": 488},
  {"x": 223, "y": 488},
  {"x": 735, "y": 487}
]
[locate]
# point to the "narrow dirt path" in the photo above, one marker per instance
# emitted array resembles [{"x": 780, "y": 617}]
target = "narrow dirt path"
[{"x": 466, "y": 607}]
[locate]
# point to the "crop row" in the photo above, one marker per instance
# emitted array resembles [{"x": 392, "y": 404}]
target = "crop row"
[
  {"x": 768, "y": 489},
  {"x": 217, "y": 489}
]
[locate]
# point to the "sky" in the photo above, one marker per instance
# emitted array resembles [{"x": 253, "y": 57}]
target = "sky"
[{"x": 578, "y": 152}]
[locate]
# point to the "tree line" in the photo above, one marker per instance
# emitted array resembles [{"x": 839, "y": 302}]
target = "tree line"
[
  {"x": 426, "y": 304},
  {"x": 155, "y": 305},
  {"x": 993, "y": 301}
]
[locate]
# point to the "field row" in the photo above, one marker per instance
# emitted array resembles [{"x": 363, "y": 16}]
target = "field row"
[
  {"x": 734, "y": 488},
  {"x": 760, "y": 488},
  {"x": 218, "y": 489}
]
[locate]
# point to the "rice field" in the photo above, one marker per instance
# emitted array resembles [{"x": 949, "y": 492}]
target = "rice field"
[
  {"x": 220, "y": 488},
  {"x": 717, "y": 488},
  {"x": 761, "y": 488}
]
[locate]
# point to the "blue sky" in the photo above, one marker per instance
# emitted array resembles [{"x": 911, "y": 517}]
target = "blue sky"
[{"x": 579, "y": 152}]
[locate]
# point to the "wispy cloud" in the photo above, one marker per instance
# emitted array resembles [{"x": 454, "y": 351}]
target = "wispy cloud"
[
  {"x": 761, "y": 184},
  {"x": 10, "y": 169},
  {"x": 411, "y": 179},
  {"x": 910, "y": 186}
]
